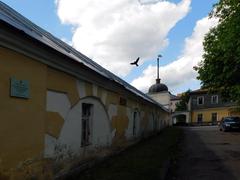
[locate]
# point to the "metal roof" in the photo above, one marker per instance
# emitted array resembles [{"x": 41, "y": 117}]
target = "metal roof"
[
  {"x": 173, "y": 97},
  {"x": 199, "y": 91},
  {"x": 18, "y": 21}
]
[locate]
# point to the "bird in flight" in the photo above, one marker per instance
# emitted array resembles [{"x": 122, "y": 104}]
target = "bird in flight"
[{"x": 135, "y": 62}]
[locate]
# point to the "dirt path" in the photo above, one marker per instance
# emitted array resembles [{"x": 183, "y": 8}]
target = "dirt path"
[{"x": 210, "y": 154}]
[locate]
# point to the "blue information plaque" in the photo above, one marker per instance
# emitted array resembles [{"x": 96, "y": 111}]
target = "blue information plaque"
[{"x": 19, "y": 88}]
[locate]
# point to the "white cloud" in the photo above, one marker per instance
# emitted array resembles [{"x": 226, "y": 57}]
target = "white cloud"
[
  {"x": 179, "y": 72},
  {"x": 113, "y": 33}
]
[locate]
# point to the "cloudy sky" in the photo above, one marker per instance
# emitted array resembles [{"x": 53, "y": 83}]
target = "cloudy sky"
[{"x": 115, "y": 33}]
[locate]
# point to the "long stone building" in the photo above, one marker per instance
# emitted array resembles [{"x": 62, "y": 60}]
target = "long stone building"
[{"x": 59, "y": 108}]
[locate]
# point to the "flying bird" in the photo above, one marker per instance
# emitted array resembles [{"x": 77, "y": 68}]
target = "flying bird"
[{"x": 135, "y": 62}]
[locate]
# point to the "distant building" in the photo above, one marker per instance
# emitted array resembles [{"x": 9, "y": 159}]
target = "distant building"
[
  {"x": 203, "y": 108},
  {"x": 208, "y": 107},
  {"x": 159, "y": 92},
  {"x": 173, "y": 102}
]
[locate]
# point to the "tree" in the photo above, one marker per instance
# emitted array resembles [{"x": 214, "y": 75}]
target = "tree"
[
  {"x": 220, "y": 68},
  {"x": 183, "y": 103}
]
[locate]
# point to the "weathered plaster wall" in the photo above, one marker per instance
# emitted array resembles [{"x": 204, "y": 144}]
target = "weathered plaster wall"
[
  {"x": 112, "y": 124},
  {"x": 129, "y": 134},
  {"x": 70, "y": 136},
  {"x": 62, "y": 82},
  {"x": 22, "y": 123},
  {"x": 47, "y": 127}
]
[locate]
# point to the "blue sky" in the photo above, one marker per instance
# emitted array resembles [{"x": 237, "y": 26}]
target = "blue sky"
[
  {"x": 183, "y": 29},
  {"x": 44, "y": 13}
]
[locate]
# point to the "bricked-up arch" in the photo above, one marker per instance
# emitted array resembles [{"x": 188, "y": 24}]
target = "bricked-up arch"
[{"x": 181, "y": 113}]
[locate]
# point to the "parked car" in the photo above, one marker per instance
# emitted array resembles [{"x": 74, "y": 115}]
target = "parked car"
[{"x": 230, "y": 123}]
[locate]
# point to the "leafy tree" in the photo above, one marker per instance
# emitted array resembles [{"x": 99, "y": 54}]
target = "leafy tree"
[
  {"x": 183, "y": 103},
  {"x": 220, "y": 69}
]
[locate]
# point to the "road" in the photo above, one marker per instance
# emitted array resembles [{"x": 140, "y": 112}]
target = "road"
[{"x": 207, "y": 153}]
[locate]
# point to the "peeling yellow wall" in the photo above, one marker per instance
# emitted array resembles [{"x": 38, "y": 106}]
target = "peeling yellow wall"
[
  {"x": 112, "y": 98},
  {"x": 54, "y": 124},
  {"x": 120, "y": 123},
  {"x": 100, "y": 92},
  {"x": 62, "y": 82},
  {"x": 145, "y": 120},
  {"x": 207, "y": 114},
  {"x": 88, "y": 89},
  {"x": 22, "y": 120},
  {"x": 41, "y": 169},
  {"x": 132, "y": 104}
]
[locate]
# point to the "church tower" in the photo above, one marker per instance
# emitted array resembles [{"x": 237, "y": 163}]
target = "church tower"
[{"x": 159, "y": 91}]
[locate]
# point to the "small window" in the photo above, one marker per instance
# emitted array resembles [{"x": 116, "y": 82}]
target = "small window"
[
  {"x": 134, "y": 123},
  {"x": 87, "y": 114},
  {"x": 199, "y": 118},
  {"x": 214, "y": 117},
  {"x": 200, "y": 100},
  {"x": 214, "y": 99},
  {"x": 154, "y": 122}
]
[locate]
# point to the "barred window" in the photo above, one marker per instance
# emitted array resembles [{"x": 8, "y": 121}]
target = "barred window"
[{"x": 87, "y": 114}]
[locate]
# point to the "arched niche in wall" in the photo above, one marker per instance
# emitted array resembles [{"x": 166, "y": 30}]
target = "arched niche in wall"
[
  {"x": 134, "y": 129},
  {"x": 101, "y": 130},
  {"x": 86, "y": 126},
  {"x": 150, "y": 126}
]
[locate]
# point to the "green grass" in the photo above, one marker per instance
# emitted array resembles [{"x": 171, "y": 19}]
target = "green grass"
[{"x": 142, "y": 161}]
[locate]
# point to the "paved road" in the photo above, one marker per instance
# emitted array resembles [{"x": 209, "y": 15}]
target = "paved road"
[{"x": 208, "y": 153}]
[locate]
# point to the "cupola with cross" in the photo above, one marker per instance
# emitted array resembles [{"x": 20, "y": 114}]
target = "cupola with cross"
[
  {"x": 158, "y": 86},
  {"x": 159, "y": 91}
]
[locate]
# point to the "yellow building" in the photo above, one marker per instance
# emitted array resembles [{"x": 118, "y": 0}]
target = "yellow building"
[
  {"x": 208, "y": 108},
  {"x": 58, "y": 108}
]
